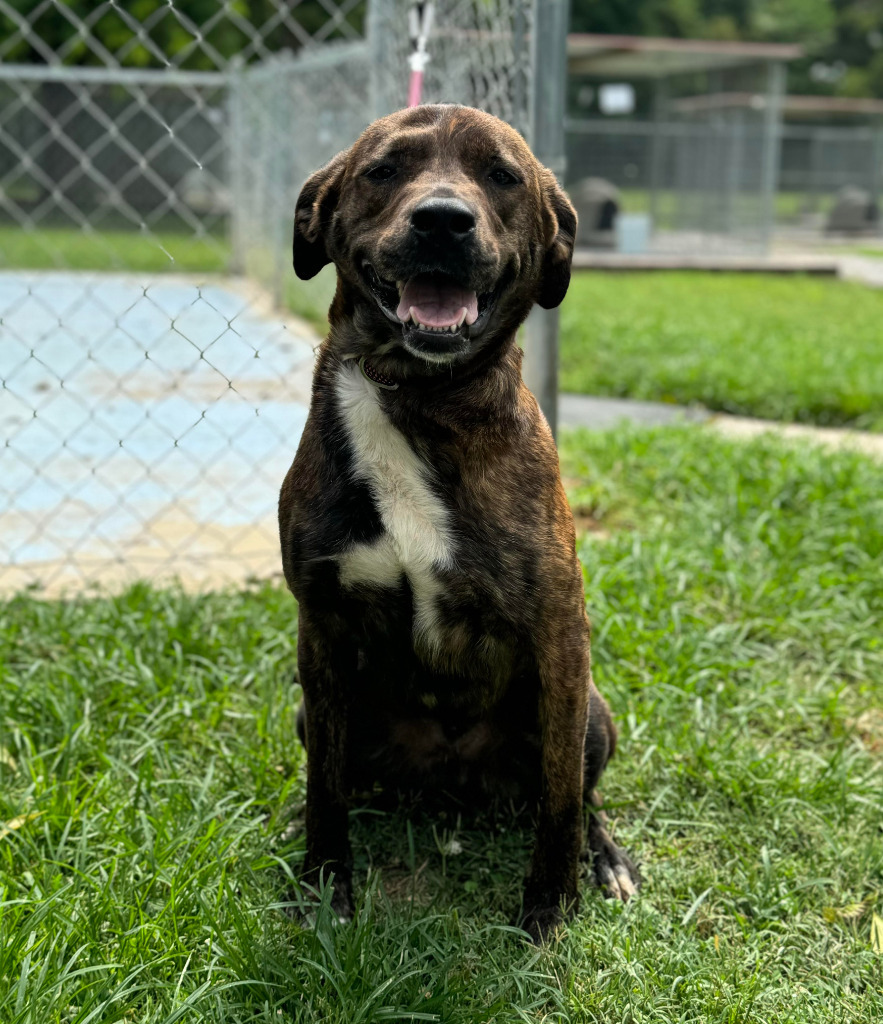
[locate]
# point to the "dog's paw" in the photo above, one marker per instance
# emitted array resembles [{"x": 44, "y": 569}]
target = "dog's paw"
[
  {"x": 307, "y": 905},
  {"x": 614, "y": 871},
  {"x": 326, "y": 890},
  {"x": 342, "y": 901},
  {"x": 541, "y": 923}
]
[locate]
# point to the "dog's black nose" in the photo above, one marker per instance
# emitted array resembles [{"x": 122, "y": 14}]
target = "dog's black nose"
[{"x": 439, "y": 218}]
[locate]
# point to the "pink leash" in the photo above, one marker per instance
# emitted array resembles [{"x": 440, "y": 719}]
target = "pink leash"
[{"x": 419, "y": 27}]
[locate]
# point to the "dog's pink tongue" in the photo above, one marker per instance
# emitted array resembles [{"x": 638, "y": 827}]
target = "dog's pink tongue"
[{"x": 437, "y": 303}]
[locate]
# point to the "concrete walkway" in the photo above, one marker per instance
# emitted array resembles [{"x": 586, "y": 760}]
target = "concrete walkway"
[
  {"x": 864, "y": 269},
  {"x": 708, "y": 262},
  {"x": 603, "y": 413},
  {"x": 745, "y": 428}
]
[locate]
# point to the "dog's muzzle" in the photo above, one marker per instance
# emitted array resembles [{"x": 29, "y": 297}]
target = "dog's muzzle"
[
  {"x": 438, "y": 316},
  {"x": 433, "y": 300}
]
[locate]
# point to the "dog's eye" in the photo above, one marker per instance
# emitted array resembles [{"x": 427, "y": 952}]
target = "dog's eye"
[
  {"x": 500, "y": 176},
  {"x": 382, "y": 172}
]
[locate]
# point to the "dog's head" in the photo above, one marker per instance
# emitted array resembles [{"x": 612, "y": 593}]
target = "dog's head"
[{"x": 444, "y": 228}]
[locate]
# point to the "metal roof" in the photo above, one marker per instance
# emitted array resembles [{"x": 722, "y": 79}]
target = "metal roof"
[
  {"x": 795, "y": 106},
  {"x": 650, "y": 57}
]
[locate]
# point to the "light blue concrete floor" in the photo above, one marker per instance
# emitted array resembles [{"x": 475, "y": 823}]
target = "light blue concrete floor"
[{"x": 130, "y": 402}]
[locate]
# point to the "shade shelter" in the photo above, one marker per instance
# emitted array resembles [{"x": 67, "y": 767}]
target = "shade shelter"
[
  {"x": 702, "y": 175},
  {"x": 829, "y": 144}
]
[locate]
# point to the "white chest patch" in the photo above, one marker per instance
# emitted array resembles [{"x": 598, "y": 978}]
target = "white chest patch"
[{"x": 417, "y": 537}]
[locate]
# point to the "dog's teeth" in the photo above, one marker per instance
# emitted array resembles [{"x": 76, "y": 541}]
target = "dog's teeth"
[
  {"x": 462, "y": 317},
  {"x": 400, "y": 285}
]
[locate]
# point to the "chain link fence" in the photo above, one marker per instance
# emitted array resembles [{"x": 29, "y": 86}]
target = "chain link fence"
[
  {"x": 700, "y": 183},
  {"x": 292, "y": 113},
  {"x": 819, "y": 162},
  {"x": 151, "y": 397},
  {"x": 697, "y": 166}
]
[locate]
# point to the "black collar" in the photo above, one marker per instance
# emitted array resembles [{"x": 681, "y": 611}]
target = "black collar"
[{"x": 371, "y": 373}]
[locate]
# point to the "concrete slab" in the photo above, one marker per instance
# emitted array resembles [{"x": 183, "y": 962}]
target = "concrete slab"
[
  {"x": 603, "y": 413},
  {"x": 864, "y": 269},
  {"x": 745, "y": 428},
  {"x": 708, "y": 262},
  {"x": 145, "y": 427}
]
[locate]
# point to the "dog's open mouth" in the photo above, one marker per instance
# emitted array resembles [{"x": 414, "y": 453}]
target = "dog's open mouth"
[{"x": 432, "y": 308}]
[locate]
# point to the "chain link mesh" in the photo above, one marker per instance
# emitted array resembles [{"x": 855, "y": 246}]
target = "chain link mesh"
[{"x": 150, "y": 402}]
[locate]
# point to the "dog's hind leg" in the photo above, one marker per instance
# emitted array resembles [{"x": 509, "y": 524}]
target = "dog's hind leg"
[
  {"x": 600, "y": 741},
  {"x": 612, "y": 868}
]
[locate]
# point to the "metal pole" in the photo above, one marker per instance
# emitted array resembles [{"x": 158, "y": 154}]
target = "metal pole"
[
  {"x": 387, "y": 89},
  {"x": 235, "y": 158},
  {"x": 733, "y": 173},
  {"x": 772, "y": 147},
  {"x": 877, "y": 163},
  {"x": 657, "y": 141},
  {"x": 549, "y": 59},
  {"x": 280, "y": 107}
]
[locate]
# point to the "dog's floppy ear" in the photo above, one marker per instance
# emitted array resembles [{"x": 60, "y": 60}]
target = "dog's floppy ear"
[
  {"x": 312, "y": 215},
  {"x": 560, "y": 220}
]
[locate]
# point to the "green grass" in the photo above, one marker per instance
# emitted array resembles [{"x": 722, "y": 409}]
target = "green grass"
[
  {"x": 311, "y": 299},
  {"x": 64, "y": 248},
  {"x": 801, "y": 349},
  {"x": 152, "y": 784},
  {"x": 670, "y": 203}
]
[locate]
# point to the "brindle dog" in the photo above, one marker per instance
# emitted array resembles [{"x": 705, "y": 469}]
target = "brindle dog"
[{"x": 425, "y": 534}]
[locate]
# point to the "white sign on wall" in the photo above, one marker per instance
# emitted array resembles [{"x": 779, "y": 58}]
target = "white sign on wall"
[{"x": 616, "y": 98}]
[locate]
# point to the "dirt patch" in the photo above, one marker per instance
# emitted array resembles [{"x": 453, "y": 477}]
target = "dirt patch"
[
  {"x": 404, "y": 887},
  {"x": 174, "y": 547},
  {"x": 744, "y": 428},
  {"x": 869, "y": 728}
]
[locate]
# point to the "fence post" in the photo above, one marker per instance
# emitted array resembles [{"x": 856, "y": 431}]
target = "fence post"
[
  {"x": 658, "y": 147},
  {"x": 772, "y": 148},
  {"x": 280, "y": 121},
  {"x": 877, "y": 163},
  {"x": 235, "y": 156},
  {"x": 380, "y": 31},
  {"x": 547, "y": 139}
]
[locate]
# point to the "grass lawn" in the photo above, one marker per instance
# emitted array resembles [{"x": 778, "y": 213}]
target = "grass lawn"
[
  {"x": 152, "y": 785},
  {"x": 66, "y": 249},
  {"x": 785, "y": 348},
  {"x": 312, "y": 299}
]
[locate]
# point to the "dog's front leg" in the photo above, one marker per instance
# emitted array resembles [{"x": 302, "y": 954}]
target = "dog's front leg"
[
  {"x": 552, "y": 884},
  {"x": 326, "y": 663}
]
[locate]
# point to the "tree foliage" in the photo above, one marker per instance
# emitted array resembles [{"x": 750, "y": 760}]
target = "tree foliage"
[
  {"x": 200, "y": 34},
  {"x": 842, "y": 38}
]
